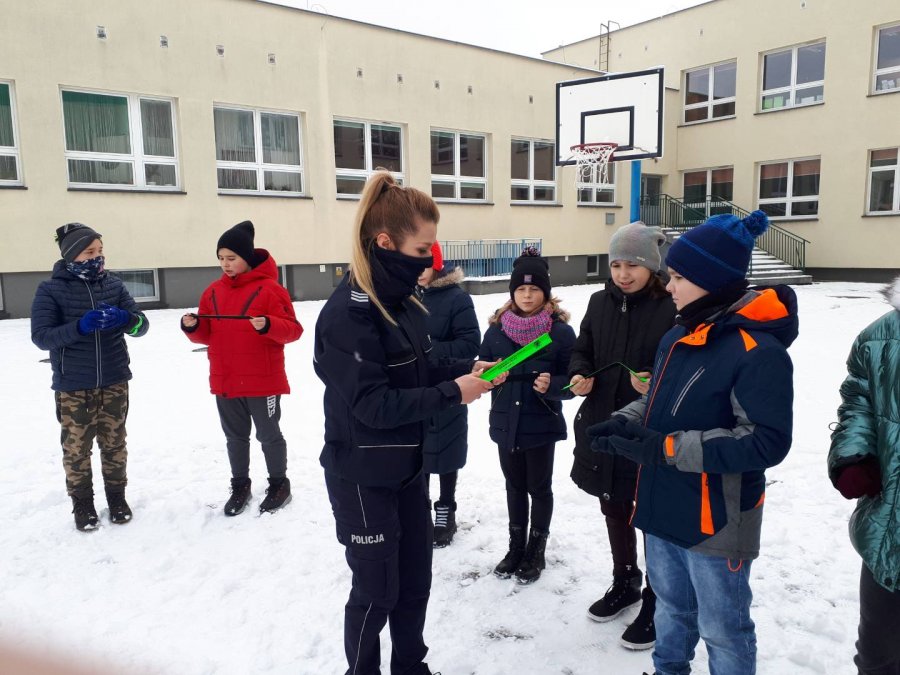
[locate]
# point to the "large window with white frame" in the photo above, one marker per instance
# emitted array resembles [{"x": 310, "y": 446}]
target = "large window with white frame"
[
  {"x": 10, "y": 161},
  {"x": 793, "y": 77},
  {"x": 362, "y": 147},
  {"x": 258, "y": 151},
  {"x": 709, "y": 92},
  {"x": 120, "y": 141},
  {"x": 598, "y": 189},
  {"x": 142, "y": 284},
  {"x": 458, "y": 166},
  {"x": 532, "y": 171},
  {"x": 887, "y": 60},
  {"x": 884, "y": 181},
  {"x": 790, "y": 189}
]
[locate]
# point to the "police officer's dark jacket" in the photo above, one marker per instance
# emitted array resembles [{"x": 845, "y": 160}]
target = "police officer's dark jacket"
[{"x": 382, "y": 385}]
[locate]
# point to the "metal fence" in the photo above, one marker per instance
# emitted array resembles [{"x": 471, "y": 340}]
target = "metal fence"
[{"x": 485, "y": 257}]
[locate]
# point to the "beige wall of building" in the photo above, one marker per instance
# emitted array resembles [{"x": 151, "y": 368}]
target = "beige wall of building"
[{"x": 842, "y": 130}]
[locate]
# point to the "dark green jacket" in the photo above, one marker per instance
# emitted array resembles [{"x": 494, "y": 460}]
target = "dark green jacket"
[{"x": 869, "y": 419}]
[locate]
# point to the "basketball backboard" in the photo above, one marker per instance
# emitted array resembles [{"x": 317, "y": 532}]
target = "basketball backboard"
[{"x": 622, "y": 108}]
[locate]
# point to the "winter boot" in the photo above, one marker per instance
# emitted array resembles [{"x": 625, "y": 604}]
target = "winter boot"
[
  {"x": 85, "y": 513},
  {"x": 514, "y": 555},
  {"x": 278, "y": 494},
  {"x": 624, "y": 592},
  {"x": 641, "y": 634},
  {"x": 444, "y": 523},
  {"x": 119, "y": 511},
  {"x": 530, "y": 568},
  {"x": 240, "y": 495}
]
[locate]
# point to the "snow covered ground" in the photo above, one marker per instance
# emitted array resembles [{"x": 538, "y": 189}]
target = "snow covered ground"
[{"x": 185, "y": 590}]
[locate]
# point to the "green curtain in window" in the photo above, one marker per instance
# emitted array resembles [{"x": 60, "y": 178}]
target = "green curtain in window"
[
  {"x": 6, "y": 128},
  {"x": 156, "y": 126},
  {"x": 96, "y": 123}
]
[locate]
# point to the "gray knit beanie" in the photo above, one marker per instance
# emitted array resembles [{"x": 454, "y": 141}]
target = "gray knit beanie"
[
  {"x": 73, "y": 238},
  {"x": 637, "y": 243}
]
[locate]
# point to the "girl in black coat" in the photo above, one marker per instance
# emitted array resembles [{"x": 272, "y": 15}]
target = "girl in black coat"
[
  {"x": 526, "y": 413},
  {"x": 453, "y": 327},
  {"x": 372, "y": 351},
  {"x": 623, "y": 323}
]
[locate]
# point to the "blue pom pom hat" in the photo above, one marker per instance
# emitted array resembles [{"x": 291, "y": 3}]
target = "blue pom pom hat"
[{"x": 717, "y": 253}]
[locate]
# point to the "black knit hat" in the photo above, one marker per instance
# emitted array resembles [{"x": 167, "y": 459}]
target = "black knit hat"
[
  {"x": 73, "y": 238},
  {"x": 530, "y": 268},
  {"x": 240, "y": 240}
]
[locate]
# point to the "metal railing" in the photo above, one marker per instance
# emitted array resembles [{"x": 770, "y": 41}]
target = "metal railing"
[
  {"x": 680, "y": 215},
  {"x": 485, "y": 257}
]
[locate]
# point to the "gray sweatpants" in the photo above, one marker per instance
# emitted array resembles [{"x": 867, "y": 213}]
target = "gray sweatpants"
[{"x": 236, "y": 415}]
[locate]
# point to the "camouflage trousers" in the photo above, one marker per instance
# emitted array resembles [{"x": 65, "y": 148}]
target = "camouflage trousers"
[{"x": 84, "y": 415}]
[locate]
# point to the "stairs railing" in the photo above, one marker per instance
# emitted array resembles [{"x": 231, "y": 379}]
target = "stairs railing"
[{"x": 678, "y": 214}]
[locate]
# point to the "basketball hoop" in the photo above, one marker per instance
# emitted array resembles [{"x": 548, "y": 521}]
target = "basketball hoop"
[{"x": 590, "y": 155}]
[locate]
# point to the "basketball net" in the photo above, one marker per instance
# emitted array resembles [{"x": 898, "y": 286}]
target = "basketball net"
[{"x": 591, "y": 156}]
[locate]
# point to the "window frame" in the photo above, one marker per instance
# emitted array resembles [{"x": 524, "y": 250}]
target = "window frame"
[
  {"x": 789, "y": 199},
  {"x": 137, "y": 158},
  {"x": 531, "y": 183},
  {"x": 259, "y": 166},
  {"x": 876, "y": 72},
  {"x": 895, "y": 205},
  {"x": 596, "y": 186},
  {"x": 457, "y": 179},
  {"x": 711, "y": 102},
  {"x": 15, "y": 150},
  {"x": 142, "y": 298},
  {"x": 791, "y": 89},
  {"x": 365, "y": 174}
]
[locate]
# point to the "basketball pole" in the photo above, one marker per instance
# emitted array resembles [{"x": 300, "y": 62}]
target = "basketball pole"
[{"x": 635, "y": 190}]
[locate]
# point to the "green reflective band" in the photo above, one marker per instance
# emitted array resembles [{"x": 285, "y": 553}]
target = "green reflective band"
[
  {"x": 137, "y": 326},
  {"x": 517, "y": 357}
]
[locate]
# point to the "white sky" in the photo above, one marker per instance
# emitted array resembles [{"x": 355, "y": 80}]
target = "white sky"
[{"x": 523, "y": 27}]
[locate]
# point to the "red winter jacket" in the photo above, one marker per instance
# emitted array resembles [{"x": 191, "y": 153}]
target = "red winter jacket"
[{"x": 242, "y": 360}]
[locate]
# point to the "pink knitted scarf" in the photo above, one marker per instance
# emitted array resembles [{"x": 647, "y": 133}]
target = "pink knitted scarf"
[{"x": 524, "y": 329}]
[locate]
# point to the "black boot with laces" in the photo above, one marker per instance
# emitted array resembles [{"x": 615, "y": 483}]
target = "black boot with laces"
[
  {"x": 641, "y": 634},
  {"x": 533, "y": 561},
  {"x": 85, "y": 513},
  {"x": 278, "y": 494},
  {"x": 444, "y": 523},
  {"x": 510, "y": 563},
  {"x": 119, "y": 511},
  {"x": 624, "y": 592},
  {"x": 240, "y": 495}
]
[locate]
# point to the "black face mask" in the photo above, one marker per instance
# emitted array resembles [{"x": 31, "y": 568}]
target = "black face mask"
[{"x": 396, "y": 274}]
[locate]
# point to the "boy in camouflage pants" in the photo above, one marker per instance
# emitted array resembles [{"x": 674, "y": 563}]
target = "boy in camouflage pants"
[{"x": 81, "y": 315}]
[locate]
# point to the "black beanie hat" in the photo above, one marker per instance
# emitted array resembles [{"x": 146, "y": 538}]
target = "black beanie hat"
[
  {"x": 73, "y": 238},
  {"x": 240, "y": 240},
  {"x": 530, "y": 268}
]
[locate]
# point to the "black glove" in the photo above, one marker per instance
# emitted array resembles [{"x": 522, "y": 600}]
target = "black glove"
[
  {"x": 637, "y": 443},
  {"x": 614, "y": 426}
]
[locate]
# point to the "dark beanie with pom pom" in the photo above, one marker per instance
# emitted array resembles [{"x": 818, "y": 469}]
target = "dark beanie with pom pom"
[
  {"x": 240, "y": 240},
  {"x": 532, "y": 269},
  {"x": 717, "y": 253}
]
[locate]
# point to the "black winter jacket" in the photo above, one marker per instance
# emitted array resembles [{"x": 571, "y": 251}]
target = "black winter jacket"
[
  {"x": 616, "y": 327},
  {"x": 382, "y": 386},
  {"x": 454, "y": 331},
  {"x": 99, "y": 359},
  {"x": 520, "y": 418}
]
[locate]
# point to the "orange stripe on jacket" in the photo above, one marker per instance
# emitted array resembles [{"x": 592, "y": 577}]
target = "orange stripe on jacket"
[
  {"x": 749, "y": 342},
  {"x": 706, "y": 521},
  {"x": 765, "y": 307}
]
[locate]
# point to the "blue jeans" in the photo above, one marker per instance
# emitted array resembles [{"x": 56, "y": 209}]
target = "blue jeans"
[{"x": 698, "y": 596}]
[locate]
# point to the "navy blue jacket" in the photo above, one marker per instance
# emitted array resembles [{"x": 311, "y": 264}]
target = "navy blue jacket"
[
  {"x": 521, "y": 418},
  {"x": 91, "y": 361},
  {"x": 382, "y": 386},
  {"x": 454, "y": 331},
  {"x": 723, "y": 395}
]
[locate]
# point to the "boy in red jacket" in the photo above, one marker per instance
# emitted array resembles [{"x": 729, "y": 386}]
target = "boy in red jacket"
[{"x": 246, "y": 318}]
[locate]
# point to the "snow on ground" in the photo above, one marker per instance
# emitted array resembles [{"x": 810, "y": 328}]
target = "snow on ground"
[{"x": 185, "y": 590}]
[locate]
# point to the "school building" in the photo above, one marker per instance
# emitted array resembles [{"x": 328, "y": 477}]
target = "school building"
[{"x": 162, "y": 124}]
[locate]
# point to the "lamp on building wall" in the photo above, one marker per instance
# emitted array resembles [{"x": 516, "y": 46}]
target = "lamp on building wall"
[
  {"x": 164, "y": 41},
  {"x": 271, "y": 58},
  {"x": 399, "y": 78},
  {"x": 220, "y": 50},
  {"x": 437, "y": 84},
  {"x": 101, "y": 32}
]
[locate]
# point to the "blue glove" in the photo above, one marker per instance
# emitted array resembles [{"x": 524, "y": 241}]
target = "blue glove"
[
  {"x": 93, "y": 319},
  {"x": 637, "y": 443},
  {"x": 113, "y": 317},
  {"x": 614, "y": 426}
]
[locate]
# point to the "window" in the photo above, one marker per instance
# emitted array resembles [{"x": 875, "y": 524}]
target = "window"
[
  {"x": 257, "y": 151},
  {"x": 789, "y": 189},
  {"x": 362, "y": 147},
  {"x": 884, "y": 181},
  {"x": 142, "y": 285},
  {"x": 593, "y": 265},
  {"x": 458, "y": 166},
  {"x": 794, "y": 77},
  {"x": 698, "y": 185},
  {"x": 596, "y": 190},
  {"x": 887, "y": 60},
  {"x": 532, "y": 171},
  {"x": 10, "y": 169},
  {"x": 120, "y": 141},
  {"x": 709, "y": 92}
]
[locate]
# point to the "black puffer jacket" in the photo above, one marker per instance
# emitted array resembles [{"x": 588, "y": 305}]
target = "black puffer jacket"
[
  {"x": 81, "y": 361},
  {"x": 616, "y": 327}
]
